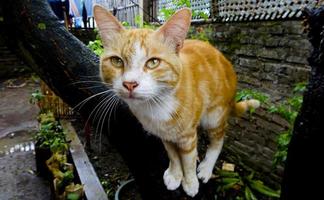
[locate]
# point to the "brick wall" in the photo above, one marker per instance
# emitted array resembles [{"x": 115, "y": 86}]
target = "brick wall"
[{"x": 271, "y": 57}]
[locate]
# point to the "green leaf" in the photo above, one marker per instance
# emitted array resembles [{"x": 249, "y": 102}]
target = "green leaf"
[
  {"x": 96, "y": 46},
  {"x": 41, "y": 26},
  {"x": 265, "y": 190},
  {"x": 246, "y": 94},
  {"x": 228, "y": 174},
  {"x": 249, "y": 194},
  {"x": 139, "y": 21},
  {"x": 126, "y": 24},
  {"x": 73, "y": 196},
  {"x": 300, "y": 87}
]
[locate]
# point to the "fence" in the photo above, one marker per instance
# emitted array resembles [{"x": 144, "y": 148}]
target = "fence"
[
  {"x": 242, "y": 10},
  {"x": 130, "y": 11},
  {"x": 134, "y": 12}
]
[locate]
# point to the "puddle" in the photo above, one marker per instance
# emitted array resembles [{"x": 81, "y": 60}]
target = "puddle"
[{"x": 17, "y": 142}]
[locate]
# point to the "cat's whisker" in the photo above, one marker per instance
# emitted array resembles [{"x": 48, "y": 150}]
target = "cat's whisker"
[
  {"x": 106, "y": 101},
  {"x": 91, "y": 82},
  {"x": 100, "y": 111},
  {"x": 101, "y": 121},
  {"x": 90, "y": 87},
  {"x": 111, "y": 108},
  {"x": 87, "y": 81},
  {"x": 105, "y": 107},
  {"x": 95, "y": 109},
  {"x": 80, "y": 105},
  {"x": 89, "y": 117}
]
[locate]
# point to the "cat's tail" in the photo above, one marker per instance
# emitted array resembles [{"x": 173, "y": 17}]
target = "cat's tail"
[{"x": 241, "y": 107}]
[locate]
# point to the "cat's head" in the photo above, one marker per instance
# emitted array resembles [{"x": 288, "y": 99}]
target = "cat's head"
[{"x": 141, "y": 64}]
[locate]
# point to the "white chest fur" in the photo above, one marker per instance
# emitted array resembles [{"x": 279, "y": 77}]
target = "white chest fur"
[{"x": 155, "y": 115}]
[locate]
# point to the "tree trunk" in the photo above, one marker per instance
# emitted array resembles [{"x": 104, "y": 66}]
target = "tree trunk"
[
  {"x": 67, "y": 66},
  {"x": 304, "y": 166}
]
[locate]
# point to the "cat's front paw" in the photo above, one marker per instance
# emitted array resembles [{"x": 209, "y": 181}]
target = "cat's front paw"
[
  {"x": 191, "y": 186},
  {"x": 205, "y": 171},
  {"x": 172, "y": 180}
]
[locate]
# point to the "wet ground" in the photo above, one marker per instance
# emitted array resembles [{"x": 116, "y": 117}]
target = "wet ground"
[
  {"x": 18, "y": 179},
  {"x": 17, "y": 126}
]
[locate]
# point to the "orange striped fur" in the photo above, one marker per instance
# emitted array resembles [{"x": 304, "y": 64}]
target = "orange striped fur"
[{"x": 190, "y": 84}]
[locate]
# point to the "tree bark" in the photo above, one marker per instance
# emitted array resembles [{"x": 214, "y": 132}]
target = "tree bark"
[
  {"x": 65, "y": 64},
  {"x": 304, "y": 166}
]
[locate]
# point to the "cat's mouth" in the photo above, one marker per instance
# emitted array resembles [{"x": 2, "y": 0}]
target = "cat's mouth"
[{"x": 131, "y": 96}]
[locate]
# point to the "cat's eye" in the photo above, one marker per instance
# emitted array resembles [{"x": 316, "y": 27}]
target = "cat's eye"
[
  {"x": 117, "y": 62},
  {"x": 153, "y": 63}
]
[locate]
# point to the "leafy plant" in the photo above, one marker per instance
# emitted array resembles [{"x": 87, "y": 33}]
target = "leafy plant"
[
  {"x": 36, "y": 97},
  {"x": 41, "y": 26},
  {"x": 166, "y": 13},
  {"x": 125, "y": 24},
  {"x": 200, "y": 33},
  {"x": 282, "y": 147},
  {"x": 72, "y": 196},
  {"x": 108, "y": 187},
  {"x": 50, "y": 134},
  {"x": 96, "y": 46},
  {"x": 139, "y": 21},
  {"x": 247, "y": 94},
  {"x": 288, "y": 109},
  {"x": 233, "y": 186}
]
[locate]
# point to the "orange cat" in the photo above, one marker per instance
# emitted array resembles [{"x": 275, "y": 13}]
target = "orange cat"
[{"x": 172, "y": 85}]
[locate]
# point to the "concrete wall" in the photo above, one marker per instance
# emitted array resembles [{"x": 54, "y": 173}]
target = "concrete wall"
[{"x": 270, "y": 57}]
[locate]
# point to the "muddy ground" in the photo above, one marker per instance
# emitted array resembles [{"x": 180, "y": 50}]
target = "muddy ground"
[
  {"x": 17, "y": 161},
  {"x": 17, "y": 127},
  {"x": 109, "y": 166}
]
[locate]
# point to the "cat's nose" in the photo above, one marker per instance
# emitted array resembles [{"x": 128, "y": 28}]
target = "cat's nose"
[{"x": 130, "y": 86}]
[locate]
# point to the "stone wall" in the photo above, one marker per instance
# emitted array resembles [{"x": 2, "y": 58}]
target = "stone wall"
[{"x": 270, "y": 57}]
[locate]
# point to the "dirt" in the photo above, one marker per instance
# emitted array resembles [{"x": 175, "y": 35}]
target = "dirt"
[
  {"x": 16, "y": 113},
  {"x": 18, "y": 171},
  {"x": 108, "y": 164},
  {"x": 17, "y": 127}
]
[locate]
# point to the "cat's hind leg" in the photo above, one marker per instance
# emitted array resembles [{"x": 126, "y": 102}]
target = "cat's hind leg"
[
  {"x": 214, "y": 122},
  {"x": 173, "y": 175},
  {"x": 205, "y": 168}
]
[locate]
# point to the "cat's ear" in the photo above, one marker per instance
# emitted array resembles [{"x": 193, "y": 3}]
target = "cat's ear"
[
  {"x": 175, "y": 30},
  {"x": 108, "y": 25}
]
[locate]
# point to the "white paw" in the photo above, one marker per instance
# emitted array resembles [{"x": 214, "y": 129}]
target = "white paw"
[
  {"x": 205, "y": 171},
  {"x": 172, "y": 181},
  {"x": 191, "y": 186}
]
